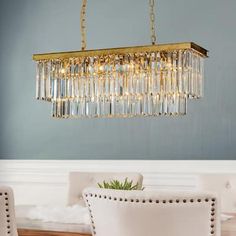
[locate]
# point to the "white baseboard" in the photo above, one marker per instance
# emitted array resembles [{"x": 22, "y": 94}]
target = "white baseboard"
[{"x": 45, "y": 181}]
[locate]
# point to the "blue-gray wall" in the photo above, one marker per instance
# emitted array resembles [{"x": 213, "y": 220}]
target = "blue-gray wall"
[{"x": 33, "y": 26}]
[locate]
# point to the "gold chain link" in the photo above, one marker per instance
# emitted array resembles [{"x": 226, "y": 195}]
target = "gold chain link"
[
  {"x": 152, "y": 21},
  {"x": 82, "y": 25}
]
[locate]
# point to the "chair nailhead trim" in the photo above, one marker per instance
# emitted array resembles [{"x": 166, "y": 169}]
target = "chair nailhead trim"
[
  {"x": 213, "y": 200},
  {"x": 6, "y": 199},
  {"x": 212, "y": 226}
]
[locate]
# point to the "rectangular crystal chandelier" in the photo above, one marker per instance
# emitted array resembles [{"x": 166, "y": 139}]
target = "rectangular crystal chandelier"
[{"x": 137, "y": 81}]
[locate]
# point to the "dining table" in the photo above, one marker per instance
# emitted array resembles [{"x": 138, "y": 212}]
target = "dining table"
[{"x": 27, "y": 227}]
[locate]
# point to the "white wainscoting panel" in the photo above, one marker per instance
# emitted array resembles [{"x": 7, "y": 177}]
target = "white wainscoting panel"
[{"x": 45, "y": 182}]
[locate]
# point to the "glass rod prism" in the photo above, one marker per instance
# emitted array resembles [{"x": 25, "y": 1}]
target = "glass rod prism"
[{"x": 121, "y": 82}]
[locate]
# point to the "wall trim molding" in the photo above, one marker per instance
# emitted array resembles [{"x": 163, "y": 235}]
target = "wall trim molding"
[
  {"x": 43, "y": 179},
  {"x": 196, "y": 166}
]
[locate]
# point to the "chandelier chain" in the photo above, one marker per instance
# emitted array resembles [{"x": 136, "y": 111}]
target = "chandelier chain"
[
  {"x": 83, "y": 25},
  {"x": 152, "y": 21}
]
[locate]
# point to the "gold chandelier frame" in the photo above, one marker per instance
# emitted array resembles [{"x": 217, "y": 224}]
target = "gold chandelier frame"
[{"x": 124, "y": 50}]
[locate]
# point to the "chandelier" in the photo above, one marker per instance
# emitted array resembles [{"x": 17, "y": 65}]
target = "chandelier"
[{"x": 152, "y": 80}]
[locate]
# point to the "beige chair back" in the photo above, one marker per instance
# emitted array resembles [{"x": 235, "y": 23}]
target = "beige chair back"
[
  {"x": 152, "y": 213},
  {"x": 78, "y": 181},
  {"x": 7, "y": 212},
  {"x": 224, "y": 185}
]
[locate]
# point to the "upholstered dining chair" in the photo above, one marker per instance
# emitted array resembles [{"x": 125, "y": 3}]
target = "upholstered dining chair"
[
  {"x": 149, "y": 213},
  {"x": 224, "y": 185},
  {"x": 7, "y": 212},
  {"x": 78, "y": 181}
]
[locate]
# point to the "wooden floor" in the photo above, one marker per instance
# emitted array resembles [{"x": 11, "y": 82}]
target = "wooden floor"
[{"x": 34, "y": 228}]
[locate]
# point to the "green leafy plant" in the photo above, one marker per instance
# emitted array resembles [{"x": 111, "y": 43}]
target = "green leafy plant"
[{"x": 116, "y": 184}]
